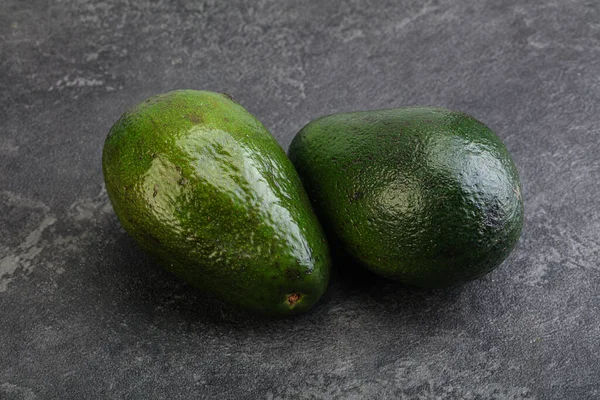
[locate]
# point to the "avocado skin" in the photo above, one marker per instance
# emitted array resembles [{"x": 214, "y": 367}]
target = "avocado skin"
[
  {"x": 426, "y": 196},
  {"x": 204, "y": 188}
]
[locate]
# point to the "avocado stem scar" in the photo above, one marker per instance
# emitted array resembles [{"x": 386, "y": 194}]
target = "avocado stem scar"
[{"x": 293, "y": 298}]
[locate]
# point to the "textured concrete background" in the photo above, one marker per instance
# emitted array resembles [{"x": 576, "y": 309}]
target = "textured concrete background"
[{"x": 84, "y": 314}]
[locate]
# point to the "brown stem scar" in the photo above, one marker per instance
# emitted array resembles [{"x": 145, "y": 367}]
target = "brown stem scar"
[{"x": 293, "y": 298}]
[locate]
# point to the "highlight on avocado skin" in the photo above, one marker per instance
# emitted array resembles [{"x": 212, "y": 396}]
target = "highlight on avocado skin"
[
  {"x": 426, "y": 196},
  {"x": 203, "y": 187}
]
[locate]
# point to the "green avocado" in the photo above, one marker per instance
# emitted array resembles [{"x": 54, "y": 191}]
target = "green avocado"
[
  {"x": 426, "y": 196},
  {"x": 204, "y": 188}
]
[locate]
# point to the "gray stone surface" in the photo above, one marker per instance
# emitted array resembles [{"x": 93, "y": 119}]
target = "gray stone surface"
[{"x": 84, "y": 314}]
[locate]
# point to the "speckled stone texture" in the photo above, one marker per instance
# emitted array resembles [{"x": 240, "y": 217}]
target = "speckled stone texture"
[{"x": 84, "y": 314}]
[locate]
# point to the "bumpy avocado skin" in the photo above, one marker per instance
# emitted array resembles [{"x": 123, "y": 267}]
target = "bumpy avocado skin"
[
  {"x": 202, "y": 186},
  {"x": 426, "y": 196}
]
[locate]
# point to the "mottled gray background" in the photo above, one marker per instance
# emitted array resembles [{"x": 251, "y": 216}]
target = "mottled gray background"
[{"x": 84, "y": 314}]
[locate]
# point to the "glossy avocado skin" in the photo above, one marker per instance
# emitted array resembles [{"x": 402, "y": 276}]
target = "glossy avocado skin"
[
  {"x": 426, "y": 196},
  {"x": 202, "y": 186}
]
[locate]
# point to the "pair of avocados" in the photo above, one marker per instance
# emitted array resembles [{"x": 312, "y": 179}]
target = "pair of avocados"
[{"x": 426, "y": 196}]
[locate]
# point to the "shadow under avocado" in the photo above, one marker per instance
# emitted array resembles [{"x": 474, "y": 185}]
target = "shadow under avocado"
[
  {"x": 353, "y": 279},
  {"x": 137, "y": 285},
  {"x": 157, "y": 292}
]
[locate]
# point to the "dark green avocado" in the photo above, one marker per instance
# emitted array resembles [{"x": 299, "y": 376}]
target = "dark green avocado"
[
  {"x": 202, "y": 186},
  {"x": 426, "y": 196}
]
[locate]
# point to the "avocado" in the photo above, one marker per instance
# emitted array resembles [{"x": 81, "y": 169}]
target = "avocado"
[
  {"x": 426, "y": 196},
  {"x": 203, "y": 187}
]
